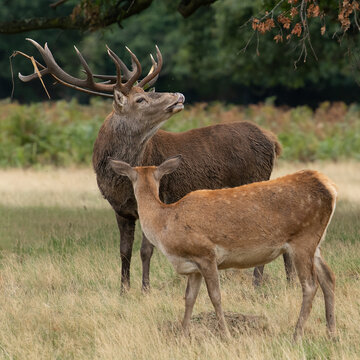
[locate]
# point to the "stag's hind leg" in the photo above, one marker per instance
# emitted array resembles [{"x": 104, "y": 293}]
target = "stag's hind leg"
[
  {"x": 127, "y": 232},
  {"x": 146, "y": 252},
  {"x": 289, "y": 270},
  {"x": 327, "y": 283},
  {"x": 258, "y": 275},
  {"x": 304, "y": 264}
]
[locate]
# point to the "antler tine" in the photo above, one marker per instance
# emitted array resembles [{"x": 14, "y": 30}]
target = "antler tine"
[
  {"x": 153, "y": 81},
  {"x": 155, "y": 73},
  {"x": 126, "y": 73},
  {"x": 38, "y": 46},
  {"x": 44, "y": 71},
  {"x": 153, "y": 64},
  {"x": 27, "y": 78},
  {"x": 85, "y": 65},
  {"x": 115, "y": 58},
  {"x": 135, "y": 76},
  {"x": 55, "y": 69},
  {"x": 135, "y": 73}
]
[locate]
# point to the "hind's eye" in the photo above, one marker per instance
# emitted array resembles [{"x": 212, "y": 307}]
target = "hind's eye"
[{"x": 139, "y": 100}]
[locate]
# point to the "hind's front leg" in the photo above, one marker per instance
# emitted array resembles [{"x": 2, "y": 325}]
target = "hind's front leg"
[{"x": 192, "y": 290}]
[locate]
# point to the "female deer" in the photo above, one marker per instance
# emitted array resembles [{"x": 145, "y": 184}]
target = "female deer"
[{"x": 246, "y": 226}]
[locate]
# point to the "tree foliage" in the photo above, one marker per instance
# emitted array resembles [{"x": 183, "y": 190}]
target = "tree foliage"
[
  {"x": 207, "y": 56},
  {"x": 293, "y": 19}
]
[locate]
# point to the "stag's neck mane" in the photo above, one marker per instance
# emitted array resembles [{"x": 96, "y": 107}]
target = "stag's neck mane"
[{"x": 119, "y": 140}]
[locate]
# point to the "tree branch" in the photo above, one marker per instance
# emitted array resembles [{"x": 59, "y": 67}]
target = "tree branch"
[
  {"x": 57, "y": 3},
  {"x": 18, "y": 26},
  {"x": 188, "y": 7},
  {"x": 114, "y": 15}
]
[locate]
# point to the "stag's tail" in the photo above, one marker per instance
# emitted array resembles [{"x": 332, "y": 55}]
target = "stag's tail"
[
  {"x": 278, "y": 147},
  {"x": 273, "y": 138}
]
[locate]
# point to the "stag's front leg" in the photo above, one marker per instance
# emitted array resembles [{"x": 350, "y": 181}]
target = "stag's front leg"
[
  {"x": 258, "y": 275},
  {"x": 146, "y": 252},
  {"x": 127, "y": 232},
  {"x": 289, "y": 270}
]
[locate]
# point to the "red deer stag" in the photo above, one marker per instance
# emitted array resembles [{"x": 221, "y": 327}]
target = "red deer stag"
[
  {"x": 246, "y": 226},
  {"x": 223, "y": 155}
]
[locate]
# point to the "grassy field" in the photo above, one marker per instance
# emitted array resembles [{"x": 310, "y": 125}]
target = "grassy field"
[{"x": 59, "y": 283}]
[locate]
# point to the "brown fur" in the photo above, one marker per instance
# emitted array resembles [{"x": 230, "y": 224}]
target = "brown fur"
[
  {"x": 224, "y": 155},
  {"x": 240, "y": 227}
]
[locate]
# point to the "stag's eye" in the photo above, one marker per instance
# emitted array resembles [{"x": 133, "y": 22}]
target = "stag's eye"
[{"x": 140, "y": 100}]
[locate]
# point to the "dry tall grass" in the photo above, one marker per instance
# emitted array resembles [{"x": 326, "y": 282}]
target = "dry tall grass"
[
  {"x": 59, "y": 283},
  {"x": 74, "y": 187}
]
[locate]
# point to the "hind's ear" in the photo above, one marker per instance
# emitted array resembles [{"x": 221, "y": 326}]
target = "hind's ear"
[
  {"x": 168, "y": 166},
  {"x": 123, "y": 168}
]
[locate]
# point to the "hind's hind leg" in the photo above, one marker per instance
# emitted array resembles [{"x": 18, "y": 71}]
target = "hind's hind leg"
[
  {"x": 327, "y": 283},
  {"x": 304, "y": 264}
]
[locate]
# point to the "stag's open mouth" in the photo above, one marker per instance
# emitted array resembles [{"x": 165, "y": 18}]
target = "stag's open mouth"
[{"x": 178, "y": 105}]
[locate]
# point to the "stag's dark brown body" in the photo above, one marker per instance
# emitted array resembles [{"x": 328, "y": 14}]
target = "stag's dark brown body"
[
  {"x": 218, "y": 156},
  {"x": 224, "y": 155}
]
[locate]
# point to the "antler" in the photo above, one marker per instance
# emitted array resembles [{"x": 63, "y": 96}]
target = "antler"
[
  {"x": 126, "y": 73},
  {"x": 153, "y": 75},
  {"x": 89, "y": 85}
]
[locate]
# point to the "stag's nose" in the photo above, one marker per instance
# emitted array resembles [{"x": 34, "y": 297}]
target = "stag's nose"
[{"x": 181, "y": 97}]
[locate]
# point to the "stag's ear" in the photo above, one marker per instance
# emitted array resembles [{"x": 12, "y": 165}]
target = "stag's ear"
[
  {"x": 124, "y": 169},
  {"x": 168, "y": 166},
  {"x": 120, "y": 99}
]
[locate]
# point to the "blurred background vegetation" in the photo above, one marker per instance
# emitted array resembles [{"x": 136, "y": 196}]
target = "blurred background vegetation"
[
  {"x": 203, "y": 54},
  {"x": 63, "y": 133},
  {"x": 312, "y": 107}
]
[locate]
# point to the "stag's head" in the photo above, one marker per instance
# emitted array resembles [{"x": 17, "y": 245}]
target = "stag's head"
[{"x": 141, "y": 110}]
